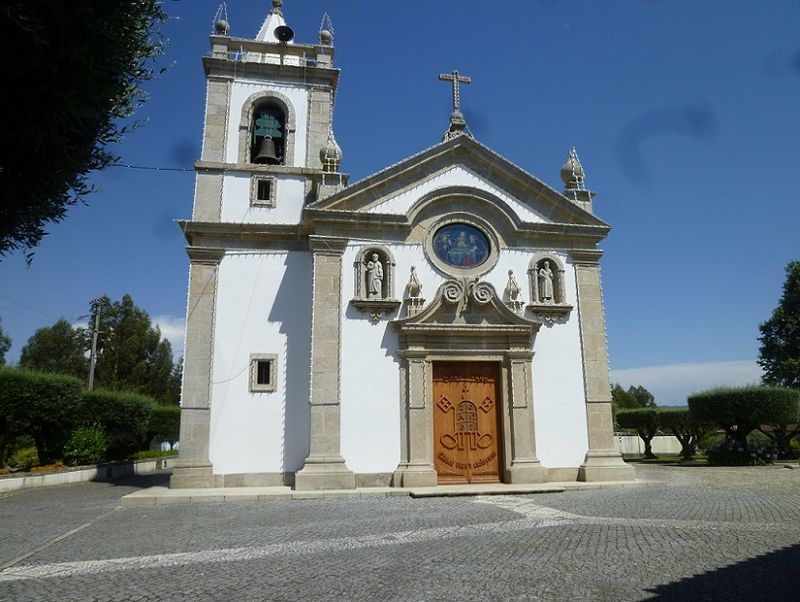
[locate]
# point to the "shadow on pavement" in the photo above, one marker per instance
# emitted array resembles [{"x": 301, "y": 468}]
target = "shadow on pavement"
[
  {"x": 771, "y": 576},
  {"x": 158, "y": 479}
]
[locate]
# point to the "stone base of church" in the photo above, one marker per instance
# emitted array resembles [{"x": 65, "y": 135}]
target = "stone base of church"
[
  {"x": 605, "y": 465},
  {"x": 526, "y": 471},
  {"x": 324, "y": 473},
  {"x": 191, "y": 476},
  {"x": 415, "y": 475}
]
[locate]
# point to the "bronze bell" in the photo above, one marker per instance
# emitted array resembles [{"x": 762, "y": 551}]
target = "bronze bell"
[{"x": 266, "y": 152}]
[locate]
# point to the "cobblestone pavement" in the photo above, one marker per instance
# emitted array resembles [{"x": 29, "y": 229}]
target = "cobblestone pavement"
[{"x": 705, "y": 534}]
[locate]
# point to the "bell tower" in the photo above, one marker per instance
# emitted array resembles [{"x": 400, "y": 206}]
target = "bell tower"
[{"x": 268, "y": 144}]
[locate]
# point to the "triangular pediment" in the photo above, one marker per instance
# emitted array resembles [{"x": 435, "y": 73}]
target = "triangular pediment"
[{"x": 460, "y": 163}]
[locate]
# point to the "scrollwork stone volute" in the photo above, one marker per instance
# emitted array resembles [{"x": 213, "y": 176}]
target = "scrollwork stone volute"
[
  {"x": 453, "y": 292},
  {"x": 482, "y": 292}
]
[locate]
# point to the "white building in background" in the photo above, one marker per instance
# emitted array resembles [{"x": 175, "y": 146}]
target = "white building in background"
[{"x": 440, "y": 321}]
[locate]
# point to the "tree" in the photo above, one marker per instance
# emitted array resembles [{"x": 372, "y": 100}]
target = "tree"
[
  {"x": 621, "y": 399},
  {"x": 73, "y": 70},
  {"x": 643, "y": 396},
  {"x": 645, "y": 421},
  {"x": 5, "y": 345},
  {"x": 132, "y": 354},
  {"x": 688, "y": 431},
  {"x": 739, "y": 411},
  {"x": 779, "y": 354},
  {"x": 59, "y": 349}
]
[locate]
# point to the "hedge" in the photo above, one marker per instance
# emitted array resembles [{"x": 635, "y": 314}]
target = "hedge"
[
  {"x": 41, "y": 405},
  {"x": 123, "y": 416},
  {"x": 165, "y": 424}
]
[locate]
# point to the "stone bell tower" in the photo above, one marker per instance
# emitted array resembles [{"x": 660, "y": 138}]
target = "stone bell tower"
[
  {"x": 268, "y": 119},
  {"x": 268, "y": 151}
]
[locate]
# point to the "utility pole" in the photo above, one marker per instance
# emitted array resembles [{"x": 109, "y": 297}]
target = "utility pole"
[{"x": 97, "y": 304}]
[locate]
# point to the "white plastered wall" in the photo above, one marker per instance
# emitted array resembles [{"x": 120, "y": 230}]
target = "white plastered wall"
[
  {"x": 263, "y": 306},
  {"x": 457, "y": 175},
  {"x": 370, "y": 417},
  {"x": 289, "y": 200},
  {"x": 241, "y": 90}
]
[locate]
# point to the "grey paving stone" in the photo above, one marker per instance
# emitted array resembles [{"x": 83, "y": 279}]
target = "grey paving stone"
[{"x": 707, "y": 534}]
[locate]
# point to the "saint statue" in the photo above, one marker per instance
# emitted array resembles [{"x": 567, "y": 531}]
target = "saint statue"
[
  {"x": 374, "y": 278},
  {"x": 414, "y": 285},
  {"x": 546, "y": 283},
  {"x": 512, "y": 287}
]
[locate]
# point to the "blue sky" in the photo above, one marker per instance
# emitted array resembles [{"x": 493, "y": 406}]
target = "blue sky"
[{"x": 684, "y": 115}]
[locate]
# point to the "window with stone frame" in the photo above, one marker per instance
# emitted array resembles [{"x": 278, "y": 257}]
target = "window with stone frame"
[
  {"x": 263, "y": 191},
  {"x": 263, "y": 372}
]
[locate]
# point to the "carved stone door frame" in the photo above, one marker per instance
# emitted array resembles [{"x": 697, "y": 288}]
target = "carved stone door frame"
[{"x": 486, "y": 331}]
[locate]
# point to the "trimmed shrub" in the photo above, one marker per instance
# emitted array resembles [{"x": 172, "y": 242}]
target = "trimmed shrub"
[
  {"x": 739, "y": 411},
  {"x": 679, "y": 422},
  {"x": 41, "y": 405},
  {"x": 86, "y": 445},
  {"x": 645, "y": 421},
  {"x": 123, "y": 416},
  {"x": 25, "y": 458}
]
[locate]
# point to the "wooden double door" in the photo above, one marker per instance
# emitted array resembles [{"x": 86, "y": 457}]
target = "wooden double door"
[{"x": 467, "y": 446}]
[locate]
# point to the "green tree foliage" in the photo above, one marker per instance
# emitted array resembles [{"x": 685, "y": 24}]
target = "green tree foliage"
[
  {"x": 59, "y": 349},
  {"x": 72, "y": 71},
  {"x": 123, "y": 416},
  {"x": 634, "y": 397},
  {"x": 679, "y": 422},
  {"x": 645, "y": 421},
  {"x": 739, "y": 411},
  {"x": 44, "y": 406},
  {"x": 132, "y": 354},
  {"x": 779, "y": 354},
  {"x": 5, "y": 345}
]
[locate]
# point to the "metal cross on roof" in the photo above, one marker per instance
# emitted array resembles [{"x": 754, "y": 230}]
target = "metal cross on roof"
[{"x": 456, "y": 78}]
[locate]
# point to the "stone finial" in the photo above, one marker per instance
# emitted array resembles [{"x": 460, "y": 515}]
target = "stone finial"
[
  {"x": 331, "y": 154},
  {"x": 572, "y": 171},
  {"x": 277, "y": 7},
  {"x": 221, "y": 27},
  {"x": 414, "y": 286},
  {"x": 325, "y": 37}
]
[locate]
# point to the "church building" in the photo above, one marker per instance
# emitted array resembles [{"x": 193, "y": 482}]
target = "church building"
[{"x": 440, "y": 321}]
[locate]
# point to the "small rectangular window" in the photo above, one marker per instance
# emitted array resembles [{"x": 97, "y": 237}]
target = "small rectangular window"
[
  {"x": 262, "y": 191},
  {"x": 263, "y": 372},
  {"x": 263, "y": 376}
]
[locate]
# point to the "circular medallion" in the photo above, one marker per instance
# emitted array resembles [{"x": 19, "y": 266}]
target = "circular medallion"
[{"x": 461, "y": 245}]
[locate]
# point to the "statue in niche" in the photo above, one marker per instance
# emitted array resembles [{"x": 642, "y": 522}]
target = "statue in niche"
[
  {"x": 512, "y": 287},
  {"x": 546, "y": 283},
  {"x": 414, "y": 285},
  {"x": 374, "y": 278}
]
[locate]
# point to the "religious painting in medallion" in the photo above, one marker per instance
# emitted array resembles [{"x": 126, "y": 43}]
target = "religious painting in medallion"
[{"x": 461, "y": 245}]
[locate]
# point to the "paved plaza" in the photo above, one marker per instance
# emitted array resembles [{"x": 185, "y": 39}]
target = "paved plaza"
[{"x": 704, "y": 534}]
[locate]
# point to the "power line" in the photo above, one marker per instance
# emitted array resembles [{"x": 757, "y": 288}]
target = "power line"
[{"x": 152, "y": 168}]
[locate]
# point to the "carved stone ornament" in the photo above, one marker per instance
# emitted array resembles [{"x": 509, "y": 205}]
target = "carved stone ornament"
[
  {"x": 513, "y": 302},
  {"x": 414, "y": 300},
  {"x": 374, "y": 275},
  {"x": 376, "y": 307},
  {"x": 547, "y": 282}
]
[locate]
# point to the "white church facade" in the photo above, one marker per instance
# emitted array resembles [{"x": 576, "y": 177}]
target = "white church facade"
[{"x": 438, "y": 322}]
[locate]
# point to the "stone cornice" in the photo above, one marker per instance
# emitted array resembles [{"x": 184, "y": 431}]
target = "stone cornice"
[
  {"x": 215, "y": 166},
  {"x": 327, "y": 245},
  {"x": 301, "y": 74},
  {"x": 205, "y": 255},
  {"x": 586, "y": 256}
]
